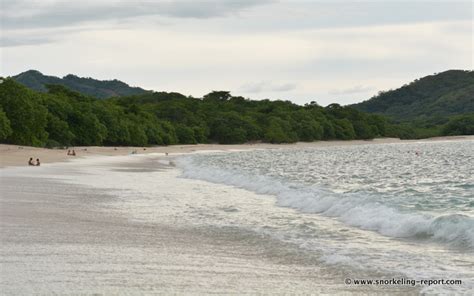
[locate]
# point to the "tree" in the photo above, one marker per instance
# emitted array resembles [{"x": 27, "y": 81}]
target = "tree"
[
  {"x": 363, "y": 130},
  {"x": 343, "y": 129},
  {"x": 185, "y": 134},
  {"x": 218, "y": 96},
  {"x": 460, "y": 125},
  {"x": 229, "y": 128},
  {"x": 5, "y": 128},
  {"x": 87, "y": 128},
  {"x": 279, "y": 131},
  {"x": 26, "y": 115}
]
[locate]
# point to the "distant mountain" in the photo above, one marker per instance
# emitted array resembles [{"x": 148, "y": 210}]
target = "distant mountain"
[
  {"x": 435, "y": 96},
  {"x": 97, "y": 88}
]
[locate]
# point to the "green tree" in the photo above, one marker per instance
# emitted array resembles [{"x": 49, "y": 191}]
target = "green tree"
[
  {"x": 343, "y": 129},
  {"x": 87, "y": 129},
  {"x": 279, "y": 131},
  {"x": 460, "y": 125},
  {"x": 5, "y": 128},
  {"x": 185, "y": 134},
  {"x": 27, "y": 116}
]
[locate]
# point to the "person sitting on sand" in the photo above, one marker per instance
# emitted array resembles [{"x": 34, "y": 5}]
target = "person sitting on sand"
[
  {"x": 73, "y": 152},
  {"x": 30, "y": 162},
  {"x": 38, "y": 162},
  {"x": 69, "y": 152}
]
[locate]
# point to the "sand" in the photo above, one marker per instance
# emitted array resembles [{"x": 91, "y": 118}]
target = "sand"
[
  {"x": 14, "y": 155},
  {"x": 64, "y": 238},
  {"x": 65, "y": 245}
]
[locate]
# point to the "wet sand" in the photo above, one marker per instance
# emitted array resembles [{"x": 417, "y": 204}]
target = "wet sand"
[
  {"x": 60, "y": 238},
  {"x": 57, "y": 238}
]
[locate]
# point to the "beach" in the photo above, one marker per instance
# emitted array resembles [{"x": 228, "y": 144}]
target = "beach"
[
  {"x": 59, "y": 237},
  {"x": 130, "y": 224},
  {"x": 15, "y": 155},
  {"x": 57, "y": 243}
]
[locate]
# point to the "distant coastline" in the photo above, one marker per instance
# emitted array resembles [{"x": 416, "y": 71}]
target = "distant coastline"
[{"x": 16, "y": 155}]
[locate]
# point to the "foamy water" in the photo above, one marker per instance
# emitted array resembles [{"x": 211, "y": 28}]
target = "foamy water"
[
  {"x": 408, "y": 208},
  {"x": 371, "y": 211}
]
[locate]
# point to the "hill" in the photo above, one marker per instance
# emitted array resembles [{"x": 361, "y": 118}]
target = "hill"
[
  {"x": 432, "y": 98},
  {"x": 432, "y": 106},
  {"x": 62, "y": 117},
  {"x": 88, "y": 86}
]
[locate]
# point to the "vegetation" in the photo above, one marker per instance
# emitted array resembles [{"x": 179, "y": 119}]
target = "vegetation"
[
  {"x": 96, "y": 88},
  {"x": 62, "y": 117},
  {"x": 425, "y": 106},
  {"x": 460, "y": 125},
  {"x": 432, "y": 106}
]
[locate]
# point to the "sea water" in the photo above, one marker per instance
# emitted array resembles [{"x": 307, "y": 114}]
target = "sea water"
[
  {"x": 405, "y": 210},
  {"x": 385, "y": 211}
]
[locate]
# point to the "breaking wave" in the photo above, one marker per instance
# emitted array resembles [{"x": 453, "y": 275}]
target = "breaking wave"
[{"x": 355, "y": 209}]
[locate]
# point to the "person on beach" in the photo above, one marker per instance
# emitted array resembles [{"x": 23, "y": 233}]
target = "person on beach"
[
  {"x": 69, "y": 152},
  {"x": 38, "y": 162},
  {"x": 73, "y": 152},
  {"x": 30, "y": 162}
]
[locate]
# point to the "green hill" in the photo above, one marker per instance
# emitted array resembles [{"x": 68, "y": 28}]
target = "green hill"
[
  {"x": 435, "y": 105},
  {"x": 97, "y": 88},
  {"x": 62, "y": 117},
  {"x": 429, "y": 99}
]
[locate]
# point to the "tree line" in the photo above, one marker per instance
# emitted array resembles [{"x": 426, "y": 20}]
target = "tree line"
[{"x": 62, "y": 117}]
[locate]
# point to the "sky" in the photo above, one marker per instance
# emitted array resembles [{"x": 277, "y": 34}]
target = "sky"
[{"x": 325, "y": 51}]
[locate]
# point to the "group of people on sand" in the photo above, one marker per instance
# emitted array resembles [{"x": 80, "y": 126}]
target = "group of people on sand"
[
  {"x": 72, "y": 153},
  {"x": 32, "y": 162}
]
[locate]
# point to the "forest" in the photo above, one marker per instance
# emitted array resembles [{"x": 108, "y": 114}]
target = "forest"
[
  {"x": 101, "y": 89},
  {"x": 434, "y": 105},
  {"x": 61, "y": 117}
]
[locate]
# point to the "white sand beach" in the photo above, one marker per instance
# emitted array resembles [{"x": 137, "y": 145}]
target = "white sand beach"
[
  {"x": 93, "y": 224},
  {"x": 15, "y": 155}
]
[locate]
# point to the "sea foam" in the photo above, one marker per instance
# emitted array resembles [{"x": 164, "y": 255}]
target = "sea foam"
[{"x": 355, "y": 209}]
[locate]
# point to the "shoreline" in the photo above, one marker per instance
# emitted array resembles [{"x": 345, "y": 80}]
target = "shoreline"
[
  {"x": 17, "y": 155},
  {"x": 130, "y": 224},
  {"x": 63, "y": 235}
]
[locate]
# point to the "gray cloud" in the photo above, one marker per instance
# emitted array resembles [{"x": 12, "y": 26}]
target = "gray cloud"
[
  {"x": 22, "y": 21},
  {"x": 265, "y": 86},
  {"x": 329, "y": 14},
  {"x": 283, "y": 15},
  {"x": 326, "y": 47},
  {"x": 24, "y": 14},
  {"x": 9, "y": 42}
]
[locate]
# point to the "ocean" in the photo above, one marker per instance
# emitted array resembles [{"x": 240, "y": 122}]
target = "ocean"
[
  {"x": 405, "y": 210},
  {"x": 294, "y": 219}
]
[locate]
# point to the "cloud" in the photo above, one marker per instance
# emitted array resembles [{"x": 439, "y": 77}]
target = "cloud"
[
  {"x": 265, "y": 86},
  {"x": 24, "y": 14},
  {"x": 352, "y": 90},
  {"x": 10, "y": 42},
  {"x": 231, "y": 17},
  {"x": 302, "y": 51}
]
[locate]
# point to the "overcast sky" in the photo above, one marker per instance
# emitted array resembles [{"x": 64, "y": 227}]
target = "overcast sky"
[{"x": 327, "y": 51}]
